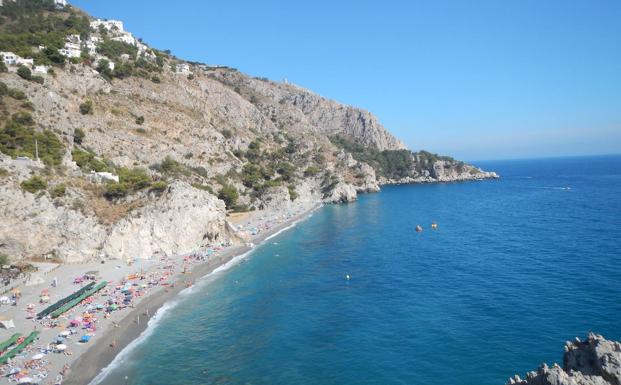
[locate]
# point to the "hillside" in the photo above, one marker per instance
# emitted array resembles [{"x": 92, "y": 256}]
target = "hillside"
[{"x": 110, "y": 148}]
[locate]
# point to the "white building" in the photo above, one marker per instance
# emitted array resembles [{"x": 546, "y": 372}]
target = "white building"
[
  {"x": 126, "y": 37},
  {"x": 102, "y": 177},
  {"x": 110, "y": 25},
  {"x": 183, "y": 68},
  {"x": 9, "y": 58},
  {"x": 61, "y": 3},
  {"x": 24, "y": 62},
  {"x": 12, "y": 59},
  {"x": 71, "y": 50},
  {"x": 75, "y": 39},
  {"x": 40, "y": 69}
]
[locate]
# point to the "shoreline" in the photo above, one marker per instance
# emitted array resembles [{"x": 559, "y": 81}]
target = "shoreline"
[{"x": 98, "y": 357}]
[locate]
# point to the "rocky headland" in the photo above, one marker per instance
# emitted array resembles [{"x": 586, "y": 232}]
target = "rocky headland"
[{"x": 594, "y": 361}]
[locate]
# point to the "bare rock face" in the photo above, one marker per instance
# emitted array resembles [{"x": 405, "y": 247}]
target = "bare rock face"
[
  {"x": 341, "y": 193},
  {"x": 595, "y": 361},
  {"x": 178, "y": 222}
]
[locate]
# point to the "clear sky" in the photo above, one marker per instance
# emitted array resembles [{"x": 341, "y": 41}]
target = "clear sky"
[{"x": 482, "y": 79}]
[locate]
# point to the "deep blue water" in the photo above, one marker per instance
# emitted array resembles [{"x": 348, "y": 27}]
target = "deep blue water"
[{"x": 516, "y": 267}]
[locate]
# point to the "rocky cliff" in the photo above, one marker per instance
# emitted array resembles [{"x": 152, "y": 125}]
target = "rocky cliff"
[
  {"x": 595, "y": 361},
  {"x": 141, "y": 153}
]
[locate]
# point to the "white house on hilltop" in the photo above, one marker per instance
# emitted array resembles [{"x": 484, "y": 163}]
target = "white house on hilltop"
[
  {"x": 126, "y": 37},
  {"x": 110, "y": 25},
  {"x": 11, "y": 59}
]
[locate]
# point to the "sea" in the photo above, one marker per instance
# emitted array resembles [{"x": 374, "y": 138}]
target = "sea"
[{"x": 354, "y": 295}]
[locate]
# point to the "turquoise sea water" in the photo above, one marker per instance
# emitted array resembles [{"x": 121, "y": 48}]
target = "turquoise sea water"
[{"x": 516, "y": 267}]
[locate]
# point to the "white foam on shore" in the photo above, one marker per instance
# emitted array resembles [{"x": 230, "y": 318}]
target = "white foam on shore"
[
  {"x": 120, "y": 358},
  {"x": 159, "y": 316}
]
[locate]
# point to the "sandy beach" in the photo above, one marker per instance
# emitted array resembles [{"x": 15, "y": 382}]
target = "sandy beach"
[{"x": 110, "y": 332}]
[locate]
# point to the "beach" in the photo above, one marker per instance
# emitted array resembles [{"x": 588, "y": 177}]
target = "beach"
[{"x": 108, "y": 335}]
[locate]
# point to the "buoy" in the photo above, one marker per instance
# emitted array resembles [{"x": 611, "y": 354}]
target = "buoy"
[
  {"x": 434, "y": 225},
  {"x": 419, "y": 229},
  {"x": 347, "y": 277}
]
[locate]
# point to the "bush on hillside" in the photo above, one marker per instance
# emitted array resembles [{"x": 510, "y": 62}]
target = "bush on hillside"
[
  {"x": 78, "y": 136},
  {"x": 86, "y": 108},
  {"x": 58, "y": 191},
  {"x": 229, "y": 195},
  {"x": 17, "y": 139},
  {"x": 24, "y": 72},
  {"x": 88, "y": 162},
  {"x": 34, "y": 184}
]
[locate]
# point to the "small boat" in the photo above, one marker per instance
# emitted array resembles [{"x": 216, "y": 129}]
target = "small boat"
[
  {"x": 419, "y": 229},
  {"x": 434, "y": 225}
]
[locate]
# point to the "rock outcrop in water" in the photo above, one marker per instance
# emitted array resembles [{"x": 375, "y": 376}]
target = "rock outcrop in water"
[{"x": 595, "y": 361}]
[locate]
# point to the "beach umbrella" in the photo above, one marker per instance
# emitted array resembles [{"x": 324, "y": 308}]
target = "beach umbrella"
[
  {"x": 38, "y": 356},
  {"x": 61, "y": 347},
  {"x": 26, "y": 380},
  {"x": 65, "y": 333},
  {"x": 85, "y": 338}
]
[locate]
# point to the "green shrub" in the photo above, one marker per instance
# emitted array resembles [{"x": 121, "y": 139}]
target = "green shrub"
[
  {"x": 159, "y": 186},
  {"x": 155, "y": 79},
  {"x": 4, "y": 259},
  {"x": 140, "y": 120},
  {"x": 130, "y": 180},
  {"x": 34, "y": 184},
  {"x": 312, "y": 171},
  {"x": 19, "y": 140},
  {"x": 24, "y": 72},
  {"x": 286, "y": 170},
  {"x": 229, "y": 195},
  {"x": 17, "y": 94},
  {"x": 58, "y": 191},
  {"x": 88, "y": 162},
  {"x": 135, "y": 178},
  {"x": 103, "y": 67},
  {"x": 38, "y": 79},
  {"x": 292, "y": 193},
  {"x": 116, "y": 190},
  {"x": 23, "y": 118},
  {"x": 227, "y": 133},
  {"x": 86, "y": 108},
  {"x": 169, "y": 166},
  {"x": 114, "y": 49},
  {"x": 3, "y": 172},
  {"x": 203, "y": 187},
  {"x": 78, "y": 136}
]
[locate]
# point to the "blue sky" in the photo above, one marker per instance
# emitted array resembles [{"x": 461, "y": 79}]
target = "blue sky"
[{"x": 485, "y": 79}]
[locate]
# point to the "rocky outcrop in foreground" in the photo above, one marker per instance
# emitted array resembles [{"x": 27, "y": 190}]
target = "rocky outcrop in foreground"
[{"x": 595, "y": 361}]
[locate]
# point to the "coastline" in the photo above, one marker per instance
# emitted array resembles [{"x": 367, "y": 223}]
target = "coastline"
[{"x": 100, "y": 355}]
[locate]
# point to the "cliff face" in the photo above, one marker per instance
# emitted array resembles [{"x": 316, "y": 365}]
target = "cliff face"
[
  {"x": 181, "y": 143},
  {"x": 595, "y": 361}
]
